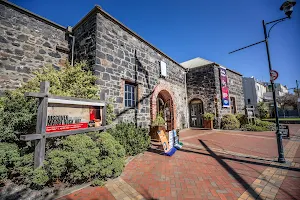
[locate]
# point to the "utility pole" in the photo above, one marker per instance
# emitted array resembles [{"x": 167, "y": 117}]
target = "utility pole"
[{"x": 298, "y": 99}]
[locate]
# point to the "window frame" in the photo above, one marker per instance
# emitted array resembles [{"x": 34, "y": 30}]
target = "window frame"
[{"x": 130, "y": 89}]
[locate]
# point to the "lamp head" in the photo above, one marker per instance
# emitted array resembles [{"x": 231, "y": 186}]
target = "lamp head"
[{"x": 287, "y": 7}]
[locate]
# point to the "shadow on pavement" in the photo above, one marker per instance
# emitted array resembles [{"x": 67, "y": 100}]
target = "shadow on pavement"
[{"x": 232, "y": 172}]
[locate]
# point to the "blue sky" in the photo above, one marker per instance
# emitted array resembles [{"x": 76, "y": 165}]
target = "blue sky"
[{"x": 199, "y": 28}]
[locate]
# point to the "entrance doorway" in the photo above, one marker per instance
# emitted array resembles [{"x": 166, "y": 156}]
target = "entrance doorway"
[
  {"x": 196, "y": 113},
  {"x": 165, "y": 108}
]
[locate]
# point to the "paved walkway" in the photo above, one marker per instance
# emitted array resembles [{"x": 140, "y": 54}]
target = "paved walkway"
[{"x": 212, "y": 165}]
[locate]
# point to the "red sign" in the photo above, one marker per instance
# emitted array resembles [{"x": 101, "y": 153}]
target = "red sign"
[
  {"x": 66, "y": 127},
  {"x": 273, "y": 75}
]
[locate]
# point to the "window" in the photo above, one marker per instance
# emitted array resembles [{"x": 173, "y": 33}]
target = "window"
[
  {"x": 249, "y": 101},
  {"x": 129, "y": 95},
  {"x": 232, "y": 105}
]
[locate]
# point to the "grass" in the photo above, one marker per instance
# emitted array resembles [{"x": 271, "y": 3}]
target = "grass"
[{"x": 283, "y": 119}]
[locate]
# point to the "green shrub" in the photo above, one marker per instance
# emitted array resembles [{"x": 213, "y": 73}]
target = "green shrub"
[
  {"x": 40, "y": 177},
  {"x": 159, "y": 120},
  {"x": 77, "y": 160},
  {"x": 263, "y": 110},
  {"x": 24, "y": 168},
  {"x": 259, "y": 126},
  {"x": 98, "y": 182},
  {"x": 82, "y": 158},
  {"x": 209, "y": 116},
  {"x": 267, "y": 126},
  {"x": 251, "y": 127},
  {"x": 242, "y": 118},
  {"x": 112, "y": 155},
  {"x": 229, "y": 122},
  {"x": 18, "y": 114},
  {"x": 134, "y": 139},
  {"x": 9, "y": 155}
]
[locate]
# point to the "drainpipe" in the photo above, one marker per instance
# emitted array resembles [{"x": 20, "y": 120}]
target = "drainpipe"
[
  {"x": 70, "y": 31},
  {"x": 187, "y": 103},
  {"x": 73, "y": 44}
]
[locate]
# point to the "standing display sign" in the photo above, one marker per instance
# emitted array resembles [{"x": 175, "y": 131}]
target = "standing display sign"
[
  {"x": 284, "y": 130},
  {"x": 224, "y": 87},
  {"x": 63, "y": 116},
  {"x": 171, "y": 139}
]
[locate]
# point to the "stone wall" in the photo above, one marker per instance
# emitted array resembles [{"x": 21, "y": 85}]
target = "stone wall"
[
  {"x": 27, "y": 42},
  {"x": 85, "y": 41},
  {"x": 201, "y": 85},
  {"x": 204, "y": 83},
  {"x": 121, "y": 56}
]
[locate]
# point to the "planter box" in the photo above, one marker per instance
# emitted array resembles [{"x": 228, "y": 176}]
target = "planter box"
[
  {"x": 153, "y": 132},
  {"x": 208, "y": 124}
]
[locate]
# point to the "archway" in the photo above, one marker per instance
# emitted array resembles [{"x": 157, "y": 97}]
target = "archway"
[
  {"x": 162, "y": 101},
  {"x": 196, "y": 113}
]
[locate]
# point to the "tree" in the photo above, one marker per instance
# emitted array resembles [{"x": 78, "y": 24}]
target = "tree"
[
  {"x": 262, "y": 110},
  {"x": 287, "y": 100}
]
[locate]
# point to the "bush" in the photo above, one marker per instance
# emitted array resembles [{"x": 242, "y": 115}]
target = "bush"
[
  {"x": 259, "y": 126},
  {"x": 112, "y": 156},
  {"x": 76, "y": 161},
  {"x": 242, "y": 118},
  {"x": 267, "y": 126},
  {"x": 251, "y": 127},
  {"x": 40, "y": 177},
  {"x": 82, "y": 158},
  {"x": 159, "y": 120},
  {"x": 263, "y": 110},
  {"x": 209, "y": 116},
  {"x": 134, "y": 139},
  {"x": 18, "y": 114},
  {"x": 229, "y": 122},
  {"x": 9, "y": 155}
]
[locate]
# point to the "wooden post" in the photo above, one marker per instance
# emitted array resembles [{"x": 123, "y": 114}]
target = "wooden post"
[
  {"x": 40, "y": 144},
  {"x": 104, "y": 115}
]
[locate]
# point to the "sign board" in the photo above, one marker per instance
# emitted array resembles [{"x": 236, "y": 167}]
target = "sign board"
[
  {"x": 164, "y": 140},
  {"x": 284, "y": 130},
  {"x": 224, "y": 87},
  {"x": 273, "y": 75},
  {"x": 163, "y": 68},
  {"x": 63, "y": 115},
  {"x": 171, "y": 139}
]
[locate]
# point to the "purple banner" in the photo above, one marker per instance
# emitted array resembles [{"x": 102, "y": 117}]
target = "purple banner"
[{"x": 224, "y": 87}]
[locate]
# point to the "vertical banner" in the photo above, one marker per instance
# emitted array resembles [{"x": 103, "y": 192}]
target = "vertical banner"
[{"x": 224, "y": 87}]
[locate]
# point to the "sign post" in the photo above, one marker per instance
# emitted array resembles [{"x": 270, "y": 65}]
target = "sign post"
[{"x": 62, "y": 116}]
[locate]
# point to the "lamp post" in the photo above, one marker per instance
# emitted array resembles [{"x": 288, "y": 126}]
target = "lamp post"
[{"x": 287, "y": 7}]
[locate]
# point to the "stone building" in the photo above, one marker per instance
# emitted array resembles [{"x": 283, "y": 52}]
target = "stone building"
[
  {"x": 204, "y": 91},
  {"x": 140, "y": 79}
]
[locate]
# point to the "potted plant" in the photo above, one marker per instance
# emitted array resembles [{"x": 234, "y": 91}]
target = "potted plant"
[
  {"x": 158, "y": 124},
  {"x": 208, "y": 120}
]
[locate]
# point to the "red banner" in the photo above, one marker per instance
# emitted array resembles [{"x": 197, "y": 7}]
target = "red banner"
[
  {"x": 224, "y": 87},
  {"x": 66, "y": 127}
]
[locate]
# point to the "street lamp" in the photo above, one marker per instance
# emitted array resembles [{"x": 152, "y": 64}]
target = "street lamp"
[{"x": 287, "y": 7}]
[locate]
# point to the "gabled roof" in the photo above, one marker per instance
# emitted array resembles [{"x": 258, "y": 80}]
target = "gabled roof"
[
  {"x": 199, "y": 62},
  {"x": 195, "y": 62}
]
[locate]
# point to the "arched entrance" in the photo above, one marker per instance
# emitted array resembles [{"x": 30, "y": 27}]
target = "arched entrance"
[
  {"x": 162, "y": 100},
  {"x": 164, "y": 106},
  {"x": 196, "y": 113}
]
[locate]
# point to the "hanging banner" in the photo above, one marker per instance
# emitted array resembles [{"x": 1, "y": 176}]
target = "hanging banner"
[{"x": 224, "y": 87}]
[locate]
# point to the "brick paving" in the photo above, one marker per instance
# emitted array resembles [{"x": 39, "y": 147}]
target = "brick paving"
[
  {"x": 212, "y": 165},
  {"x": 90, "y": 193}
]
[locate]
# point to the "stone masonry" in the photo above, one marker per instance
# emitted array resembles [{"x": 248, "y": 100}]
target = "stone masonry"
[
  {"x": 118, "y": 55},
  {"x": 203, "y": 83},
  {"x": 27, "y": 43}
]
